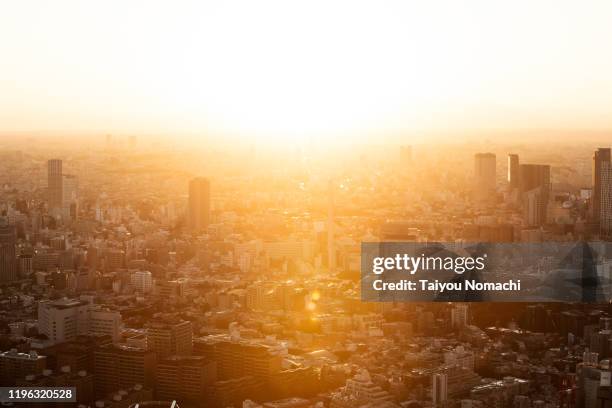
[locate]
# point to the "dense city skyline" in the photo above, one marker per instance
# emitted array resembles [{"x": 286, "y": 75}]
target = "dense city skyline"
[
  {"x": 135, "y": 272},
  {"x": 306, "y": 204}
]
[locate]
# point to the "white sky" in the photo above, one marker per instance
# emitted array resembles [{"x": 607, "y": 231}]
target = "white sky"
[{"x": 279, "y": 68}]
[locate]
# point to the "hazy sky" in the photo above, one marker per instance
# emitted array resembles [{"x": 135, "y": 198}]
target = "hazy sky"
[{"x": 282, "y": 68}]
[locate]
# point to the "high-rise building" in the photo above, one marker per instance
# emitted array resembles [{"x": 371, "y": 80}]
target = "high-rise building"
[
  {"x": 170, "y": 338},
  {"x": 600, "y": 156},
  {"x": 64, "y": 319},
  {"x": 105, "y": 322},
  {"x": 459, "y": 315},
  {"x": 14, "y": 365},
  {"x": 484, "y": 176},
  {"x": 121, "y": 367},
  {"x": 24, "y": 265},
  {"x": 114, "y": 259},
  {"x": 533, "y": 205},
  {"x": 199, "y": 204},
  {"x": 54, "y": 178},
  {"x": 142, "y": 281},
  {"x": 439, "y": 389},
  {"x": 460, "y": 357},
  {"x": 236, "y": 358},
  {"x": 184, "y": 378},
  {"x": 513, "y": 170},
  {"x": 604, "y": 207},
  {"x": 8, "y": 257},
  {"x": 459, "y": 380},
  {"x": 70, "y": 194},
  {"x": 534, "y": 187}
]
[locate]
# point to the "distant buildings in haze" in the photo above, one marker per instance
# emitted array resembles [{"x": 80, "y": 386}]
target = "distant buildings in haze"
[{"x": 199, "y": 204}]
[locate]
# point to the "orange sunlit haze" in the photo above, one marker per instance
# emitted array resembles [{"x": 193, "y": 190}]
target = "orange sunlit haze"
[
  {"x": 306, "y": 204},
  {"x": 275, "y": 70}
]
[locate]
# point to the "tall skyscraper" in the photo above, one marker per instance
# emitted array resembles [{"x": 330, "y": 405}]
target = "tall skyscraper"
[
  {"x": 70, "y": 188},
  {"x": 8, "y": 258},
  {"x": 534, "y": 187},
  {"x": 199, "y": 203},
  {"x": 604, "y": 207},
  {"x": 70, "y": 193},
  {"x": 534, "y": 176},
  {"x": 484, "y": 176},
  {"x": 439, "y": 389},
  {"x": 533, "y": 204},
  {"x": 513, "y": 170},
  {"x": 54, "y": 177},
  {"x": 600, "y": 157}
]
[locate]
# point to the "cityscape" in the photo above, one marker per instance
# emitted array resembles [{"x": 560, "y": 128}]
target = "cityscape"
[
  {"x": 139, "y": 273},
  {"x": 305, "y": 204}
]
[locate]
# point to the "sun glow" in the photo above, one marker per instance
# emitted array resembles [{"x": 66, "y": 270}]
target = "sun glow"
[
  {"x": 283, "y": 69},
  {"x": 278, "y": 69}
]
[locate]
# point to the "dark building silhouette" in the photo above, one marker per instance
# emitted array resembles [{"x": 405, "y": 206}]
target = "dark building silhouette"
[
  {"x": 534, "y": 188},
  {"x": 8, "y": 259},
  {"x": 600, "y": 156},
  {"x": 121, "y": 367},
  {"x": 605, "y": 200}
]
